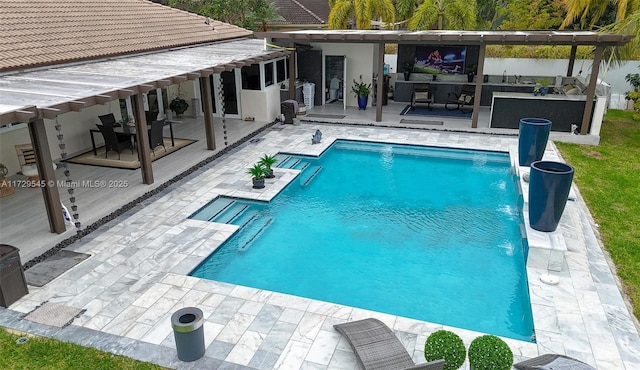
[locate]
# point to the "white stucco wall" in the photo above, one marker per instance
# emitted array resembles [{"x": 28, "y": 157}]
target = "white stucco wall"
[
  {"x": 359, "y": 63},
  {"x": 261, "y": 105}
]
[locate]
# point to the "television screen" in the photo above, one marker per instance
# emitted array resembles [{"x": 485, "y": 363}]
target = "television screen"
[{"x": 440, "y": 59}]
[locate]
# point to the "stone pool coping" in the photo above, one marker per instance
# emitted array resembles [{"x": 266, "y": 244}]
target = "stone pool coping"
[{"x": 136, "y": 278}]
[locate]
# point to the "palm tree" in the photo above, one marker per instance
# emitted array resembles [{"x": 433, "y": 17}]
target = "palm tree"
[
  {"x": 267, "y": 12},
  {"x": 444, "y": 14},
  {"x": 587, "y": 13},
  {"x": 342, "y": 11}
]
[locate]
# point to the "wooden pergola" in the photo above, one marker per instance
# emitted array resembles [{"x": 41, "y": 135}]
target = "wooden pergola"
[
  {"x": 469, "y": 38},
  {"x": 35, "y": 95}
]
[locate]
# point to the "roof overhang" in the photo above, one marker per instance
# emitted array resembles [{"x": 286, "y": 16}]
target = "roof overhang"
[
  {"x": 451, "y": 37},
  {"x": 47, "y": 92}
]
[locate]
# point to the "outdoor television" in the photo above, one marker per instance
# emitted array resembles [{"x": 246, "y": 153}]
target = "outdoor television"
[{"x": 440, "y": 59}]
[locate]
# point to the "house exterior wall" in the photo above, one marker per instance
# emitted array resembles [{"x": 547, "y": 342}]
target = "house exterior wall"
[
  {"x": 261, "y": 105},
  {"x": 359, "y": 63}
]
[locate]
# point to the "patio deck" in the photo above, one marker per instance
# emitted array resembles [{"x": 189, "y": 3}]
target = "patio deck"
[{"x": 136, "y": 275}]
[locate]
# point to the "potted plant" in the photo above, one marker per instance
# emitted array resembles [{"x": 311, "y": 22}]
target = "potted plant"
[
  {"x": 267, "y": 161},
  {"x": 447, "y": 345},
  {"x": 489, "y": 352},
  {"x": 361, "y": 91},
  {"x": 544, "y": 87},
  {"x": 257, "y": 173},
  {"x": 178, "y": 105},
  {"x": 408, "y": 68}
]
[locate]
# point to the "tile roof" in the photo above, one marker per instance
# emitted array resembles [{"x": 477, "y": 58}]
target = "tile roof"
[
  {"x": 303, "y": 11},
  {"x": 45, "y": 32}
]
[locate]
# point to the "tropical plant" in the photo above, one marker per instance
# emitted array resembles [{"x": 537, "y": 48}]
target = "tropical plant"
[
  {"x": 444, "y": 14},
  {"x": 267, "y": 161},
  {"x": 364, "y": 11},
  {"x": 634, "y": 80},
  {"x": 178, "y": 105},
  {"x": 447, "y": 345},
  {"x": 360, "y": 88},
  {"x": 589, "y": 13},
  {"x": 489, "y": 352},
  {"x": 265, "y": 13},
  {"x": 257, "y": 172}
]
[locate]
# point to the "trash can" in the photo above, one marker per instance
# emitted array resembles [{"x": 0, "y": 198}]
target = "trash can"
[
  {"x": 188, "y": 332},
  {"x": 13, "y": 285},
  {"x": 289, "y": 108}
]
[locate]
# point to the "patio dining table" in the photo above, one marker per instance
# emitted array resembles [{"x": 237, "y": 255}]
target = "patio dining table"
[{"x": 123, "y": 129}]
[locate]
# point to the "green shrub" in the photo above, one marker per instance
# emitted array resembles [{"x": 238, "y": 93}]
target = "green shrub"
[
  {"x": 446, "y": 345},
  {"x": 489, "y": 352}
]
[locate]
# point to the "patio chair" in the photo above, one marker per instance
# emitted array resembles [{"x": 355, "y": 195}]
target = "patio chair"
[
  {"x": 377, "y": 348},
  {"x": 155, "y": 136},
  {"x": 108, "y": 120},
  {"x": 462, "y": 100},
  {"x": 113, "y": 142},
  {"x": 27, "y": 160},
  {"x": 422, "y": 95},
  {"x": 552, "y": 361}
]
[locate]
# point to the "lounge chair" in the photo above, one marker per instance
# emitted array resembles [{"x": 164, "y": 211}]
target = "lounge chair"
[
  {"x": 462, "y": 100},
  {"x": 552, "y": 361},
  {"x": 377, "y": 348}
]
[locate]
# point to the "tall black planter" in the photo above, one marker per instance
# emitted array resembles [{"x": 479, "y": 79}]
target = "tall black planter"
[
  {"x": 549, "y": 185},
  {"x": 532, "y": 139}
]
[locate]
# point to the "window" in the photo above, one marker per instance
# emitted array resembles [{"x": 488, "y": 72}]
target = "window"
[
  {"x": 251, "y": 77},
  {"x": 268, "y": 74},
  {"x": 281, "y": 66}
]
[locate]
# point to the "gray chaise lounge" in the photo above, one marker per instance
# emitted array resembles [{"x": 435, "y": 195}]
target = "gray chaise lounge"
[{"x": 377, "y": 348}]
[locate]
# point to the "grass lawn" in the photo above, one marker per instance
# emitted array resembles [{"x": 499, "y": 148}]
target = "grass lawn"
[
  {"x": 608, "y": 176},
  {"x": 44, "y": 353}
]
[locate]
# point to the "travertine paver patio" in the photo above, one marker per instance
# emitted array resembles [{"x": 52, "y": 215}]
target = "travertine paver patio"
[{"x": 137, "y": 277}]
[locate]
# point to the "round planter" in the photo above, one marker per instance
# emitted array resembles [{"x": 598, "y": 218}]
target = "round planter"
[
  {"x": 362, "y": 102},
  {"x": 407, "y": 75},
  {"x": 532, "y": 139},
  {"x": 549, "y": 186}
]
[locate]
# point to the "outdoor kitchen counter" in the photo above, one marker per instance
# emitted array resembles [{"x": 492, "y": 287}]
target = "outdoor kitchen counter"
[{"x": 562, "y": 110}]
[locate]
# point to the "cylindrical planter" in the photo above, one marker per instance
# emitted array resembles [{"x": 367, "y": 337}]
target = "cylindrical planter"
[
  {"x": 549, "y": 185},
  {"x": 532, "y": 139},
  {"x": 362, "y": 102}
]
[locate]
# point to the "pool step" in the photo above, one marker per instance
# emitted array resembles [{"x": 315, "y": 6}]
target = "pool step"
[
  {"x": 309, "y": 174},
  {"x": 245, "y": 217},
  {"x": 213, "y": 209},
  {"x": 289, "y": 162},
  {"x": 252, "y": 230},
  {"x": 230, "y": 213}
]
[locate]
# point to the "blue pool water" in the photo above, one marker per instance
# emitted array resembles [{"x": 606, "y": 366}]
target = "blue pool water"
[{"x": 427, "y": 233}]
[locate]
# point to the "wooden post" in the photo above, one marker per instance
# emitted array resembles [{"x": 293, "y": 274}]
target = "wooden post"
[
  {"x": 207, "y": 107},
  {"x": 572, "y": 60},
  {"x": 380, "y": 86},
  {"x": 478, "y": 92},
  {"x": 47, "y": 176},
  {"x": 591, "y": 90},
  {"x": 292, "y": 72},
  {"x": 142, "y": 140}
]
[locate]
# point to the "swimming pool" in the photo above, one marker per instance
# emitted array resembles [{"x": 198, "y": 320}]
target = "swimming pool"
[{"x": 426, "y": 233}]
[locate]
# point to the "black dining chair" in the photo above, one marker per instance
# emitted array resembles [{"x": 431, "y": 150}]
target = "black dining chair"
[
  {"x": 108, "y": 120},
  {"x": 155, "y": 136},
  {"x": 113, "y": 142}
]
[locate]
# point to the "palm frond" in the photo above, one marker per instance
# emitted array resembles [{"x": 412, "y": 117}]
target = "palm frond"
[
  {"x": 340, "y": 14},
  {"x": 424, "y": 17}
]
